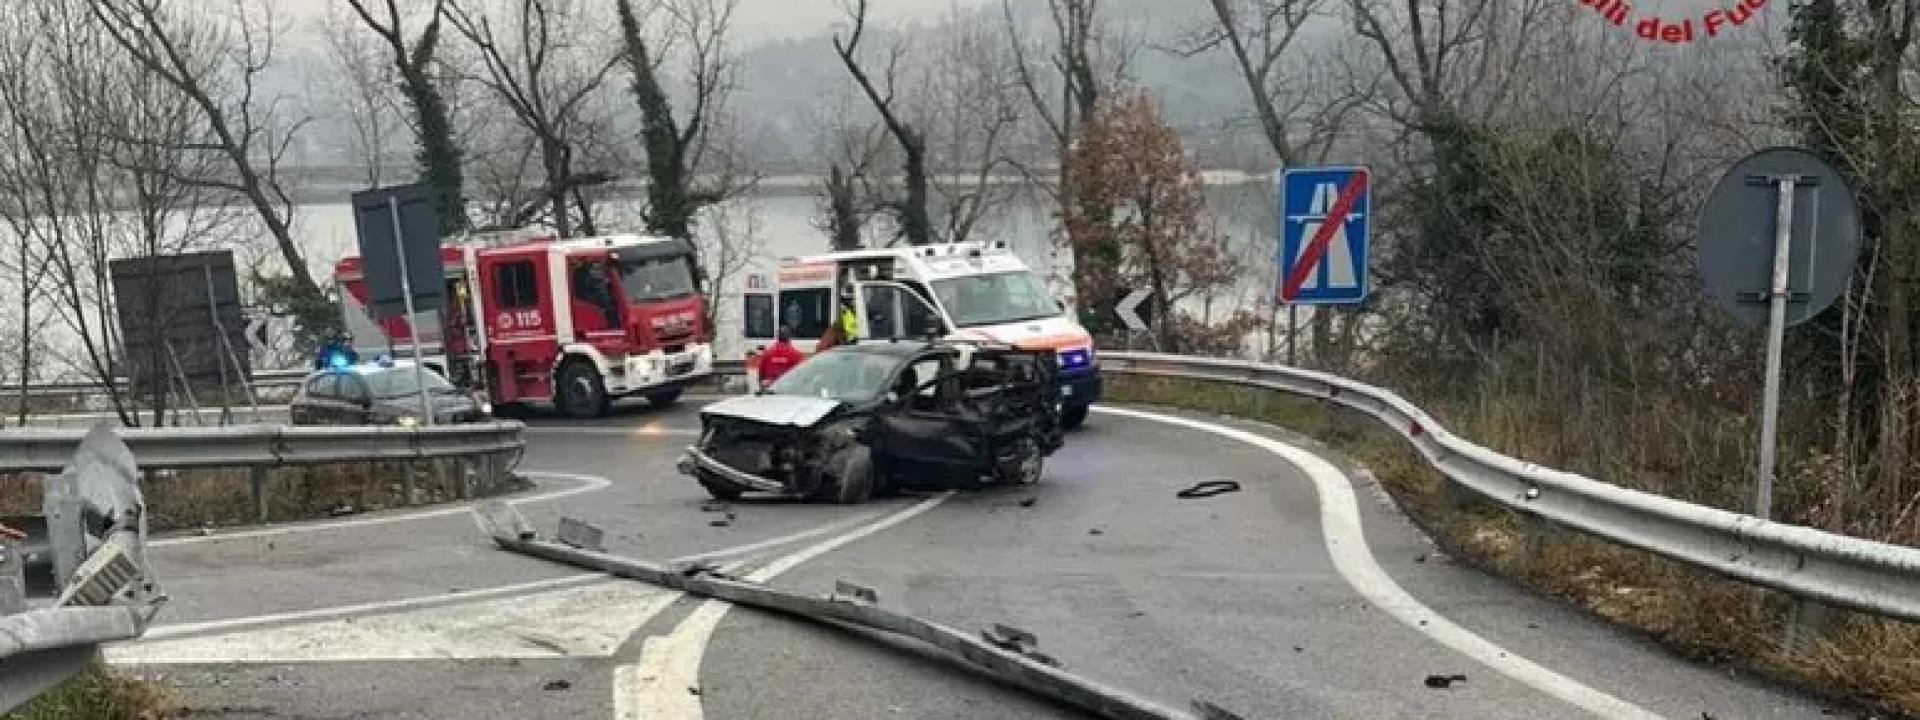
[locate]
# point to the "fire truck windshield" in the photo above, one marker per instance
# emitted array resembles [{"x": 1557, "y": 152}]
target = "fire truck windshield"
[{"x": 657, "y": 278}]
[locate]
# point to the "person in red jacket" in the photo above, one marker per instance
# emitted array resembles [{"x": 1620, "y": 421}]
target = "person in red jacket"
[{"x": 779, "y": 358}]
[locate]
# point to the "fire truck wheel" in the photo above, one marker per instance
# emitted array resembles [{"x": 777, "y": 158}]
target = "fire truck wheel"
[
  {"x": 664, "y": 398},
  {"x": 583, "y": 394}
]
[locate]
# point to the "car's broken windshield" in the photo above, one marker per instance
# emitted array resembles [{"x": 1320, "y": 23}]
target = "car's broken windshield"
[{"x": 849, "y": 376}]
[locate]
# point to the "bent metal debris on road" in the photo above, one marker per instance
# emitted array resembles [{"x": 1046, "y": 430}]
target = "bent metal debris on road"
[{"x": 1003, "y": 653}]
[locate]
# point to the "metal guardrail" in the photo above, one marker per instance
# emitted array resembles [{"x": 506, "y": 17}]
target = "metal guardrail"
[
  {"x": 1839, "y": 570},
  {"x": 46, "y": 449},
  {"x": 261, "y": 379}
]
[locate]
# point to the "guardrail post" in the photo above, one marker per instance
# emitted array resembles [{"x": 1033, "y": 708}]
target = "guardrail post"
[
  {"x": 1806, "y": 621},
  {"x": 257, "y": 486},
  {"x": 462, "y": 477},
  {"x": 13, "y": 579},
  {"x": 409, "y": 467}
]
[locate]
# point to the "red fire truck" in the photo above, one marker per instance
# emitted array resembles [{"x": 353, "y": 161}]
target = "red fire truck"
[{"x": 575, "y": 322}]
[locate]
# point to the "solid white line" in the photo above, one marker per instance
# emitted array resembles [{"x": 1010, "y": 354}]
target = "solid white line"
[
  {"x": 641, "y": 431},
  {"x": 588, "y": 483},
  {"x": 174, "y": 630},
  {"x": 1347, "y": 546},
  {"x": 658, "y": 687},
  {"x": 160, "y": 632}
]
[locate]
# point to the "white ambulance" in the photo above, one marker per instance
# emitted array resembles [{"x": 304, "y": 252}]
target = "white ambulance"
[{"x": 974, "y": 290}]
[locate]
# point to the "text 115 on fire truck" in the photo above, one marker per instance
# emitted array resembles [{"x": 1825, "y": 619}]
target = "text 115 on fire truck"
[{"x": 577, "y": 322}]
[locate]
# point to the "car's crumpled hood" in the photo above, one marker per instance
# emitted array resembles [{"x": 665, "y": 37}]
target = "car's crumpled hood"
[{"x": 794, "y": 410}]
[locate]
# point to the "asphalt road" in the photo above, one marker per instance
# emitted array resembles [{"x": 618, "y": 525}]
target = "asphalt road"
[{"x": 1299, "y": 596}]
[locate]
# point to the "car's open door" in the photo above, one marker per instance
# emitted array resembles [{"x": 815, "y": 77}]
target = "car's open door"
[{"x": 889, "y": 310}]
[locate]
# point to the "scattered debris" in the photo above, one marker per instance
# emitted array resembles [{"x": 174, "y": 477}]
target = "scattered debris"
[
  {"x": 1442, "y": 682},
  {"x": 204, "y": 530},
  {"x": 1210, "y": 711},
  {"x": 712, "y": 506},
  {"x": 556, "y": 685},
  {"x": 693, "y": 690},
  {"x": 1096, "y": 531},
  {"x": 1136, "y": 613},
  {"x": 851, "y": 592},
  {"x": 1533, "y": 626},
  {"x": 342, "y": 509},
  {"x": 1209, "y": 488},
  {"x": 1029, "y": 502},
  {"x": 1296, "y": 648},
  {"x": 1422, "y": 557},
  {"x": 1009, "y": 638},
  {"x": 719, "y": 522}
]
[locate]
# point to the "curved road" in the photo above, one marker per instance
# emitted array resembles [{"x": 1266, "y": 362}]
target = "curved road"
[{"x": 1303, "y": 595}]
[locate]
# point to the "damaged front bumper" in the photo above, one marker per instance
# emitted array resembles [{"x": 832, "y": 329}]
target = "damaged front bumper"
[{"x": 695, "y": 461}]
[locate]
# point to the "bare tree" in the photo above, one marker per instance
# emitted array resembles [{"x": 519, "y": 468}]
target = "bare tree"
[
  {"x": 545, "y": 69},
  {"x": 92, "y": 172},
  {"x": 214, "y": 60},
  {"x": 916, "y": 223},
  {"x": 438, "y": 152},
  {"x": 972, "y": 106},
  {"x": 361, "y": 86},
  {"x": 676, "y": 146},
  {"x": 1084, "y": 60}
]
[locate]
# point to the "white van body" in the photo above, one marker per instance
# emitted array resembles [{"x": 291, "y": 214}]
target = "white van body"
[{"x": 976, "y": 291}]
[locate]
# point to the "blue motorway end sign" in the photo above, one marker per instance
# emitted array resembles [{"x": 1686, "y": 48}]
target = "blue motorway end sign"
[{"x": 1323, "y": 235}]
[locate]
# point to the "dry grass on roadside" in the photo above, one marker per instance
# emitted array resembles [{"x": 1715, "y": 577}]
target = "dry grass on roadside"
[
  {"x": 101, "y": 693},
  {"x": 1700, "y": 615}
]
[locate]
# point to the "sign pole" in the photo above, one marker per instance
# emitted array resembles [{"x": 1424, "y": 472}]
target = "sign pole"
[
  {"x": 1293, "y": 328},
  {"x": 1776, "y": 334},
  {"x": 413, "y": 324}
]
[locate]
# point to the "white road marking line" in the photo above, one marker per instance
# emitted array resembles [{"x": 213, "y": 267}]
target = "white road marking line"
[
  {"x": 161, "y": 632},
  {"x": 1347, "y": 546},
  {"x": 641, "y": 431},
  {"x": 588, "y": 483},
  {"x": 657, "y": 688},
  {"x": 590, "y": 621}
]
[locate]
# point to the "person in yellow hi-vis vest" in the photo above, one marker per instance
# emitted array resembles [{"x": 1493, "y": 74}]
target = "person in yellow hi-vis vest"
[{"x": 843, "y": 329}]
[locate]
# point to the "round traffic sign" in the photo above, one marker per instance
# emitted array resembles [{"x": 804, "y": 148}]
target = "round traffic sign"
[{"x": 1738, "y": 227}]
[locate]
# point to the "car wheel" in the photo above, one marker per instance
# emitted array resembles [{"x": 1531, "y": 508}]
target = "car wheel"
[
  {"x": 852, "y": 479},
  {"x": 1026, "y": 466},
  {"x": 1073, "y": 416},
  {"x": 580, "y": 392},
  {"x": 664, "y": 398}
]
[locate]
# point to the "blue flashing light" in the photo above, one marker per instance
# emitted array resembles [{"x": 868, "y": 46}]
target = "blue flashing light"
[
  {"x": 338, "y": 360},
  {"x": 385, "y": 361},
  {"x": 1075, "y": 358}
]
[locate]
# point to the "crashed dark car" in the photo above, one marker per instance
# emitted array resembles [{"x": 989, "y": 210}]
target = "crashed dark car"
[{"x": 866, "y": 419}]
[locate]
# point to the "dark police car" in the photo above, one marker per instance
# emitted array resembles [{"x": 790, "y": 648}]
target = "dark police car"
[{"x": 384, "y": 392}]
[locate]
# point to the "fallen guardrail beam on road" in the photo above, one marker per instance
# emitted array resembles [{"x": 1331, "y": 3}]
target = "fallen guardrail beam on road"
[
  {"x": 1865, "y": 575},
  {"x": 1003, "y": 653}
]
